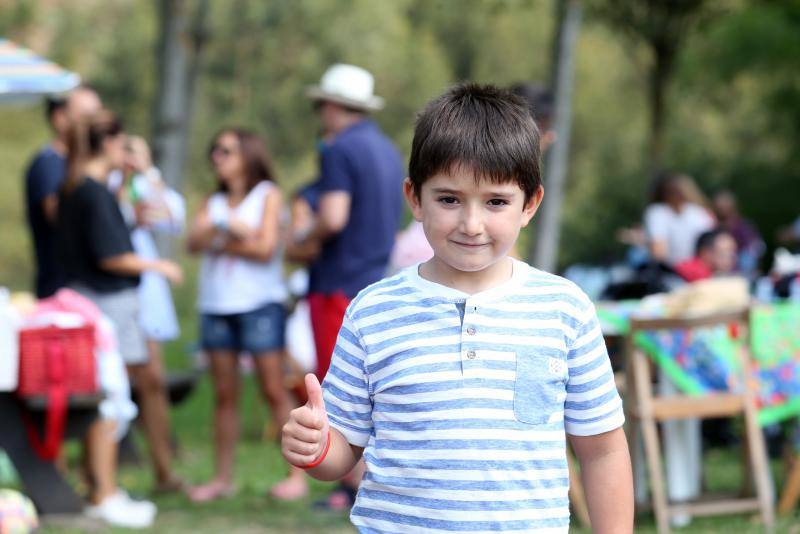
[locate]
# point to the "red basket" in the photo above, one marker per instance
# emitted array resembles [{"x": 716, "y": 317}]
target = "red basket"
[
  {"x": 55, "y": 363},
  {"x": 50, "y": 356}
]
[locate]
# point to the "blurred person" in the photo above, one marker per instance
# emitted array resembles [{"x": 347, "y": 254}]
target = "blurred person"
[
  {"x": 360, "y": 205},
  {"x": 242, "y": 296},
  {"x": 149, "y": 206},
  {"x": 541, "y": 105},
  {"x": 360, "y": 201},
  {"x": 749, "y": 244},
  {"x": 715, "y": 255},
  {"x": 98, "y": 259},
  {"x": 44, "y": 177},
  {"x": 673, "y": 222}
]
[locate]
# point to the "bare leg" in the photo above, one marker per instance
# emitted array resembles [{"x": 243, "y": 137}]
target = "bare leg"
[
  {"x": 269, "y": 368},
  {"x": 101, "y": 455},
  {"x": 154, "y": 410},
  {"x": 225, "y": 374},
  {"x": 224, "y": 368}
]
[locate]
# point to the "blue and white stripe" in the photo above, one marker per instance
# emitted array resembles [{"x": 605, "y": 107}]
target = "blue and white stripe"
[{"x": 463, "y": 423}]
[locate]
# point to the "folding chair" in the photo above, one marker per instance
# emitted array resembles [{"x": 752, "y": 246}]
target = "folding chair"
[{"x": 644, "y": 410}]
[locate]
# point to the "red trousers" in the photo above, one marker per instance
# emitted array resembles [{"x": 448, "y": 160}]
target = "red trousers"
[{"x": 327, "y": 314}]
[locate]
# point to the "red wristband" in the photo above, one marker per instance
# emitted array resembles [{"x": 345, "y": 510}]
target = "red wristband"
[{"x": 319, "y": 460}]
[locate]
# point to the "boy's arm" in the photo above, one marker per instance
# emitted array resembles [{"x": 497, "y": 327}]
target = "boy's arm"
[
  {"x": 607, "y": 480},
  {"x": 340, "y": 460},
  {"x": 304, "y": 440}
]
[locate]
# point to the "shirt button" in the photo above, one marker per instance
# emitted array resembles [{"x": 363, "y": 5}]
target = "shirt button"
[
  {"x": 471, "y": 331},
  {"x": 471, "y": 354}
]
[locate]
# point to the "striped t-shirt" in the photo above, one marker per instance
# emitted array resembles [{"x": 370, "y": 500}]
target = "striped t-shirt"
[{"x": 461, "y": 402}]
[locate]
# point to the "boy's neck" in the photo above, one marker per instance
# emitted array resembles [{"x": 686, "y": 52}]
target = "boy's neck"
[{"x": 467, "y": 282}]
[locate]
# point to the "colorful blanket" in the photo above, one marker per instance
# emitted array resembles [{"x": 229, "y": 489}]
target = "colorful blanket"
[{"x": 705, "y": 360}]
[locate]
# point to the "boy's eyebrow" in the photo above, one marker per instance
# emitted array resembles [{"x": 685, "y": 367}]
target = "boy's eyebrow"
[
  {"x": 440, "y": 190},
  {"x": 449, "y": 191}
]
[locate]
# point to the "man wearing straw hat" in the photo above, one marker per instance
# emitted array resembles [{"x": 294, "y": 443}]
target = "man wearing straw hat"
[
  {"x": 361, "y": 176},
  {"x": 360, "y": 205}
]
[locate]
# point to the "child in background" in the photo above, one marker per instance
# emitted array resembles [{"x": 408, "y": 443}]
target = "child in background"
[{"x": 460, "y": 379}]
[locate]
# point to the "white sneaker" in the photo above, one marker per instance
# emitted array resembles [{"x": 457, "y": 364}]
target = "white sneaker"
[
  {"x": 146, "y": 506},
  {"x": 120, "y": 511}
]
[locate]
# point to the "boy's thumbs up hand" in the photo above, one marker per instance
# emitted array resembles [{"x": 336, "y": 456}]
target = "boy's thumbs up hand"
[{"x": 305, "y": 435}]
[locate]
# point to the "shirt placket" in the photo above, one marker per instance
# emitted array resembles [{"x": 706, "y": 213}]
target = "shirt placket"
[{"x": 469, "y": 349}]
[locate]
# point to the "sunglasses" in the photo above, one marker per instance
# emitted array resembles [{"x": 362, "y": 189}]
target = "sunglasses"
[{"x": 221, "y": 150}]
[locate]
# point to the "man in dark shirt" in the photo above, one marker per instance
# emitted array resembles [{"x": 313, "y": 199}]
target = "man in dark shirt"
[
  {"x": 360, "y": 201},
  {"x": 358, "y": 216},
  {"x": 43, "y": 180}
]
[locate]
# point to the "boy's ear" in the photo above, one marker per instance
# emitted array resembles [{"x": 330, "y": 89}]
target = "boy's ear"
[
  {"x": 532, "y": 206},
  {"x": 412, "y": 199}
]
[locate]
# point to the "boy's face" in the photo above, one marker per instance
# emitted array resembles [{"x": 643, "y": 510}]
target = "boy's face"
[{"x": 470, "y": 224}]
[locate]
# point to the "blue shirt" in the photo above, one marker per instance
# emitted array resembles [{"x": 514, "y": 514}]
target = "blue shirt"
[
  {"x": 44, "y": 177},
  {"x": 364, "y": 163},
  {"x": 463, "y": 402}
]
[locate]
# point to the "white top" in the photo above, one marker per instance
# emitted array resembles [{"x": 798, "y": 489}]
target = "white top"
[
  {"x": 156, "y": 310},
  {"x": 231, "y": 284},
  {"x": 463, "y": 402},
  {"x": 679, "y": 230}
]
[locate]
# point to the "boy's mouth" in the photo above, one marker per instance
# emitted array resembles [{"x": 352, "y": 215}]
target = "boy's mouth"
[{"x": 470, "y": 245}]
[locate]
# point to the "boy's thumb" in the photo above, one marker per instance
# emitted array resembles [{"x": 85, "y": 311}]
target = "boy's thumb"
[{"x": 314, "y": 392}]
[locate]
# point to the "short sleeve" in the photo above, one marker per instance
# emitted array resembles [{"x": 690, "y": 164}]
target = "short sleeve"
[
  {"x": 108, "y": 233},
  {"x": 337, "y": 174},
  {"x": 346, "y": 388},
  {"x": 656, "y": 224},
  {"x": 45, "y": 177},
  {"x": 593, "y": 405}
]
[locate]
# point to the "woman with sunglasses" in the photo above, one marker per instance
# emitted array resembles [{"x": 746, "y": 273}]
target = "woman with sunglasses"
[{"x": 241, "y": 296}]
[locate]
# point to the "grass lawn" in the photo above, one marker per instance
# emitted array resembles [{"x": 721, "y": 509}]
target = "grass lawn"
[{"x": 259, "y": 465}]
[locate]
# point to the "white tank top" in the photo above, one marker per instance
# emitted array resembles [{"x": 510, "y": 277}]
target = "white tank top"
[{"x": 232, "y": 284}]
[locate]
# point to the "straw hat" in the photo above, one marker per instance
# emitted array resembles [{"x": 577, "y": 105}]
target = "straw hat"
[{"x": 347, "y": 85}]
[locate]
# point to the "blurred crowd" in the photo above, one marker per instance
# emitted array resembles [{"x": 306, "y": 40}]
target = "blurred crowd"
[{"x": 98, "y": 209}]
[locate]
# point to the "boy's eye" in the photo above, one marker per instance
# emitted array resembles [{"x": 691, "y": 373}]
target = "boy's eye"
[
  {"x": 448, "y": 200},
  {"x": 498, "y": 202}
]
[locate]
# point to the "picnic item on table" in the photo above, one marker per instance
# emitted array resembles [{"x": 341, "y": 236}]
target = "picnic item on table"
[
  {"x": 55, "y": 363},
  {"x": 703, "y": 360}
]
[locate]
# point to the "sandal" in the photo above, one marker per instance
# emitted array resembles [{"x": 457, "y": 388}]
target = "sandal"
[
  {"x": 211, "y": 491},
  {"x": 290, "y": 489}
]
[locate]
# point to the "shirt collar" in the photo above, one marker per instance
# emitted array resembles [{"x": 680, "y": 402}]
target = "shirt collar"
[{"x": 520, "y": 272}]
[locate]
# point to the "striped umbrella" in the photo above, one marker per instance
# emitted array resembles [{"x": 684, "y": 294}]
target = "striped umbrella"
[{"x": 23, "y": 73}]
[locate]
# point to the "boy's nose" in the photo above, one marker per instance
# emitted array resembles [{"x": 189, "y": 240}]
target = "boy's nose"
[{"x": 471, "y": 221}]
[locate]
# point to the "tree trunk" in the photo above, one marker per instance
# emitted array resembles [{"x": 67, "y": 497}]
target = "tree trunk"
[
  {"x": 659, "y": 84},
  {"x": 178, "y": 67},
  {"x": 178, "y": 55},
  {"x": 548, "y": 223}
]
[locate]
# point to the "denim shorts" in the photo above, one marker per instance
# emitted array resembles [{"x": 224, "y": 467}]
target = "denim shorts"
[{"x": 258, "y": 331}]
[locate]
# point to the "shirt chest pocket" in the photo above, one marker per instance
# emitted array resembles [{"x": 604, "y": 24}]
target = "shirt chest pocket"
[{"x": 539, "y": 388}]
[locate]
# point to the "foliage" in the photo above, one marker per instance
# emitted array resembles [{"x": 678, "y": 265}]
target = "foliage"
[{"x": 733, "y": 111}]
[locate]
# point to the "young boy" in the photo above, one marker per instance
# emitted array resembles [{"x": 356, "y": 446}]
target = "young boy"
[{"x": 459, "y": 379}]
